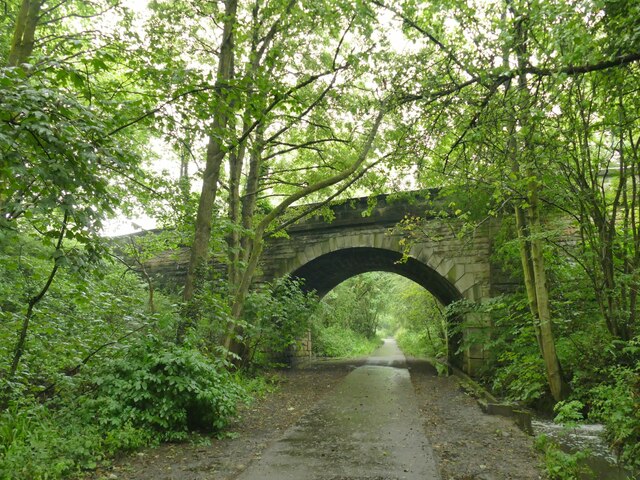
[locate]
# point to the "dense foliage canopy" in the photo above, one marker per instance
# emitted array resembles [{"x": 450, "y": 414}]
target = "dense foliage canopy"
[{"x": 213, "y": 118}]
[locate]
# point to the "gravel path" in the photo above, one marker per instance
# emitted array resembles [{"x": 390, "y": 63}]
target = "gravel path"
[
  {"x": 466, "y": 443},
  {"x": 368, "y": 427}
]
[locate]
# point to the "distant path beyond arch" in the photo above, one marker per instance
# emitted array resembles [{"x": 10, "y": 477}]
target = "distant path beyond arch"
[{"x": 363, "y": 236}]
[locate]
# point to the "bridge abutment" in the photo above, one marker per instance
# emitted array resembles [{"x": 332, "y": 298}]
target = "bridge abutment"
[{"x": 451, "y": 266}]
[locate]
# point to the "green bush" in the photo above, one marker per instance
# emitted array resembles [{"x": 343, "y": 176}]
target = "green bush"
[
  {"x": 84, "y": 314},
  {"x": 420, "y": 343},
  {"x": 166, "y": 389},
  {"x": 561, "y": 465},
  {"x": 520, "y": 376},
  {"x": 339, "y": 342},
  {"x": 568, "y": 412},
  {"x": 156, "y": 391},
  {"x": 514, "y": 369},
  {"x": 617, "y": 405},
  {"x": 275, "y": 319},
  {"x": 37, "y": 442}
]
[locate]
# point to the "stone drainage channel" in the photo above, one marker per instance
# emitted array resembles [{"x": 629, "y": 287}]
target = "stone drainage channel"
[{"x": 369, "y": 429}]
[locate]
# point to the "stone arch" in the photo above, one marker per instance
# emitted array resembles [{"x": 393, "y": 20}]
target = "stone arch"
[
  {"x": 467, "y": 275},
  {"x": 326, "y": 271}
]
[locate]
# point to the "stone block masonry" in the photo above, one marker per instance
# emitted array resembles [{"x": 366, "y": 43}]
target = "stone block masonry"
[{"x": 362, "y": 239}]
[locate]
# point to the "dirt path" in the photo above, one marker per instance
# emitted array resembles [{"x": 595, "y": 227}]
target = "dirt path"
[
  {"x": 368, "y": 427},
  {"x": 467, "y": 444}
]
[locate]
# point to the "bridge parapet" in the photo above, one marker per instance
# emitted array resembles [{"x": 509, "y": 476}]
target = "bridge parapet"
[{"x": 363, "y": 236}]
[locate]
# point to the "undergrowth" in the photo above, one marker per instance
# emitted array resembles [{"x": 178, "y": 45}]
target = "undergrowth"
[
  {"x": 339, "y": 342},
  {"x": 154, "y": 392},
  {"x": 561, "y": 465}
]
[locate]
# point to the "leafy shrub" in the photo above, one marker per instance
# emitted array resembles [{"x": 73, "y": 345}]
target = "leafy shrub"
[
  {"x": 257, "y": 385},
  {"x": 520, "y": 377},
  {"x": 167, "y": 389},
  {"x": 515, "y": 368},
  {"x": 422, "y": 343},
  {"x": 37, "y": 442},
  {"x": 617, "y": 405},
  {"x": 84, "y": 315},
  {"x": 156, "y": 391},
  {"x": 339, "y": 342},
  {"x": 561, "y": 465},
  {"x": 568, "y": 412},
  {"x": 276, "y": 318}
]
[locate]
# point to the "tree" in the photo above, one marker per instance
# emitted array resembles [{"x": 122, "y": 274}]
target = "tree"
[
  {"x": 215, "y": 154},
  {"x": 271, "y": 115},
  {"x": 482, "y": 126},
  {"x": 599, "y": 177},
  {"x": 60, "y": 165},
  {"x": 24, "y": 32},
  {"x": 528, "y": 222}
]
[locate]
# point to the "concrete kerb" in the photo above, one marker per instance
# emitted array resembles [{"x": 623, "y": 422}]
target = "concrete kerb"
[{"x": 489, "y": 403}]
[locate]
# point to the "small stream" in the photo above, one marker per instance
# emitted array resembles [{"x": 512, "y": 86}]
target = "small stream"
[{"x": 585, "y": 437}]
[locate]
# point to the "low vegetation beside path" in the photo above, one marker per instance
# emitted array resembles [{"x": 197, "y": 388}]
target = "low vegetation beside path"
[{"x": 103, "y": 374}]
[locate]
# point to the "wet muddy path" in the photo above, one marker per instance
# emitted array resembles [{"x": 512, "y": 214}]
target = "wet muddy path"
[
  {"x": 369, "y": 427},
  {"x": 358, "y": 419}
]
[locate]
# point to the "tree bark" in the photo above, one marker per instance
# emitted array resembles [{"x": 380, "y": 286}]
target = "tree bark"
[
  {"x": 250, "y": 197},
  {"x": 242, "y": 209},
  {"x": 215, "y": 154},
  {"x": 24, "y": 32},
  {"x": 233, "y": 241},
  {"x": 527, "y": 267},
  {"x": 557, "y": 385},
  {"x": 184, "y": 181}
]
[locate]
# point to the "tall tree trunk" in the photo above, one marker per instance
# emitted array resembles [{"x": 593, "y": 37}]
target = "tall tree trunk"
[
  {"x": 233, "y": 240},
  {"x": 557, "y": 385},
  {"x": 184, "y": 180},
  {"x": 257, "y": 242},
  {"x": 529, "y": 226},
  {"x": 534, "y": 272},
  {"x": 527, "y": 268},
  {"x": 259, "y": 47},
  {"x": 21, "y": 49},
  {"x": 634, "y": 227},
  {"x": 249, "y": 199},
  {"x": 215, "y": 154},
  {"x": 24, "y": 32}
]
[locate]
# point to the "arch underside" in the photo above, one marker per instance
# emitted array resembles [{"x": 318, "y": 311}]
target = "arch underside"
[{"x": 325, "y": 272}]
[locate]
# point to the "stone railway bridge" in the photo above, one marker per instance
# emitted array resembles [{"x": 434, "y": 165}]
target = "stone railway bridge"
[{"x": 364, "y": 236}]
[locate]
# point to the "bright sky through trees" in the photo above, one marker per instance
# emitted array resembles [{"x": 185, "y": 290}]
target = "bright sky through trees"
[{"x": 165, "y": 161}]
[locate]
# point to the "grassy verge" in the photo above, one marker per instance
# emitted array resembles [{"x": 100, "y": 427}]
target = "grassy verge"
[{"x": 338, "y": 342}]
